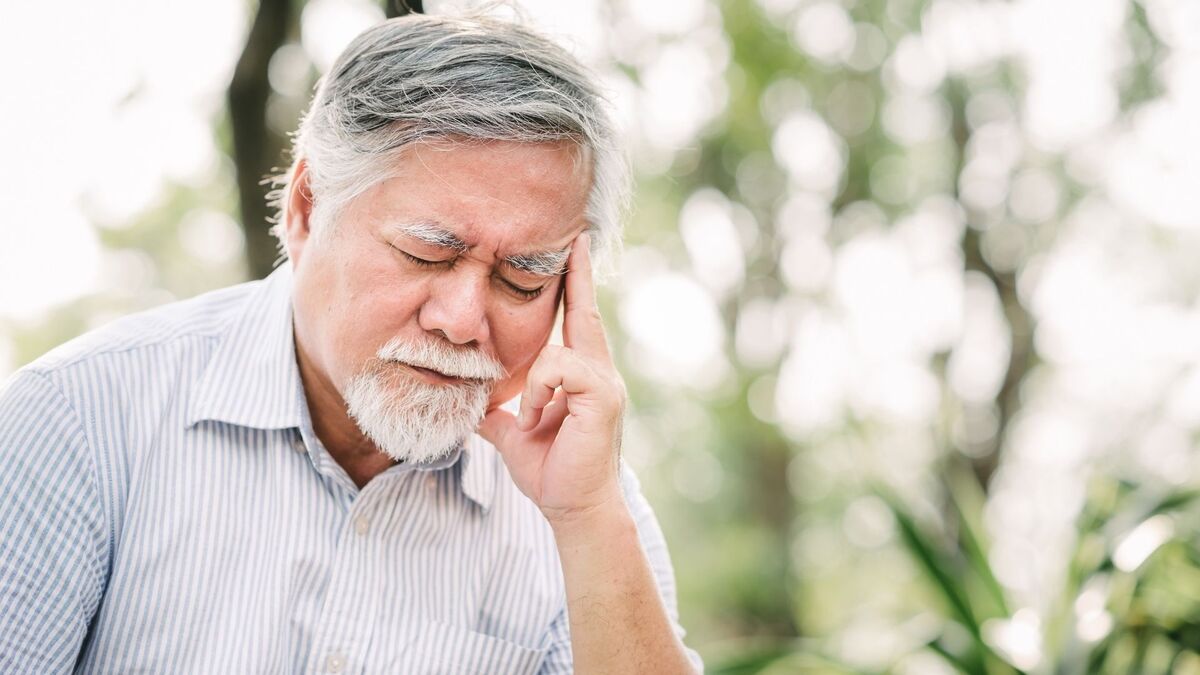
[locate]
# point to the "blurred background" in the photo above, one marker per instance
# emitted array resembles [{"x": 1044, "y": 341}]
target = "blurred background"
[{"x": 909, "y": 310}]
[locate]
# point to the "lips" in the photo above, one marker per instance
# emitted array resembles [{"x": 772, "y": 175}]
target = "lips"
[{"x": 434, "y": 376}]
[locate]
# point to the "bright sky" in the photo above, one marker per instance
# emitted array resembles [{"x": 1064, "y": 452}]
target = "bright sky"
[
  {"x": 126, "y": 102},
  {"x": 70, "y": 141}
]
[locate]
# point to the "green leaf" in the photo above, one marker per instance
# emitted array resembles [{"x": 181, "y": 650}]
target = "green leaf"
[
  {"x": 965, "y": 491},
  {"x": 952, "y": 658},
  {"x": 1173, "y": 501},
  {"x": 745, "y": 664},
  {"x": 786, "y": 658},
  {"x": 936, "y": 565}
]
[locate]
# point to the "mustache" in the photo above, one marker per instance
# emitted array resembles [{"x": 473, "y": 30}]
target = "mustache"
[{"x": 461, "y": 362}]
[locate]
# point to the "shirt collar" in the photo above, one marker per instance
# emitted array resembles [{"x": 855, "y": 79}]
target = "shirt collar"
[
  {"x": 478, "y": 471},
  {"x": 252, "y": 380}
]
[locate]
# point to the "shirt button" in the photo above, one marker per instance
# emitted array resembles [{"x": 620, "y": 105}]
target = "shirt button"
[
  {"x": 335, "y": 663},
  {"x": 298, "y": 445},
  {"x": 431, "y": 483},
  {"x": 362, "y": 524}
]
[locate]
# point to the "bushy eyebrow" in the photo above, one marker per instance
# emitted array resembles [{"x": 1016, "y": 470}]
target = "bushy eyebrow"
[
  {"x": 541, "y": 263},
  {"x": 432, "y": 234}
]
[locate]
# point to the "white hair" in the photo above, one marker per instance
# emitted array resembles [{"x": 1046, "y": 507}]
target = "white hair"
[
  {"x": 411, "y": 420},
  {"x": 454, "y": 79}
]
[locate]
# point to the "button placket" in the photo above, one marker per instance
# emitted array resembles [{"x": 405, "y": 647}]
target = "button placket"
[
  {"x": 362, "y": 510},
  {"x": 341, "y": 635}
]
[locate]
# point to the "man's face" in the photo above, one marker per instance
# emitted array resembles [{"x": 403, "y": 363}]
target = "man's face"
[{"x": 433, "y": 257}]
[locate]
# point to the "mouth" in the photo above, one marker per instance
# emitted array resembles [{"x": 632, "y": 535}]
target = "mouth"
[{"x": 435, "y": 377}]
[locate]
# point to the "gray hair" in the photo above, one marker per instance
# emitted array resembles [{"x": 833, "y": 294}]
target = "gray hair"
[{"x": 432, "y": 78}]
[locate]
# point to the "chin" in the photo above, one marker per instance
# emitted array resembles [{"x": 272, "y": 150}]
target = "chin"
[{"x": 411, "y": 420}]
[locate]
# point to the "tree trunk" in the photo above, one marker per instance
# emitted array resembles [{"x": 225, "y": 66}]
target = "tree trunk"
[
  {"x": 395, "y": 8},
  {"x": 257, "y": 149},
  {"x": 1020, "y": 321}
]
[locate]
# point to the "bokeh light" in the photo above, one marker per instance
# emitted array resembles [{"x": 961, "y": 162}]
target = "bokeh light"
[{"x": 930, "y": 253}]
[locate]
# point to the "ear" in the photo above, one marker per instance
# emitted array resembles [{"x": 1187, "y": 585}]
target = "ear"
[{"x": 299, "y": 202}]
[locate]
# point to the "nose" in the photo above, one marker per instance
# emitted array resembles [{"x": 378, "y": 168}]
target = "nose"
[{"x": 457, "y": 307}]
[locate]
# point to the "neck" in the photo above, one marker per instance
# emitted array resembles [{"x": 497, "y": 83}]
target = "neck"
[{"x": 341, "y": 437}]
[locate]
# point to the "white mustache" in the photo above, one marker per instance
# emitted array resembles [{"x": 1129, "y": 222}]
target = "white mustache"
[{"x": 467, "y": 364}]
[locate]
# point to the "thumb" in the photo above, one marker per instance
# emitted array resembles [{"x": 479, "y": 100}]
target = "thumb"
[{"x": 496, "y": 427}]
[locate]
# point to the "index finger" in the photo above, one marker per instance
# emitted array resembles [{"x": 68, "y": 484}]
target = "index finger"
[{"x": 583, "y": 330}]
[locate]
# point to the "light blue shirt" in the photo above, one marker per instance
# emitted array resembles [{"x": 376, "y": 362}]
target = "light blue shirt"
[{"x": 166, "y": 507}]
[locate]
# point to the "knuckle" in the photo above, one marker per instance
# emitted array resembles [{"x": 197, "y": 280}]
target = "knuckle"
[
  {"x": 616, "y": 393},
  {"x": 544, "y": 360},
  {"x": 619, "y": 383},
  {"x": 615, "y": 386},
  {"x": 620, "y": 404}
]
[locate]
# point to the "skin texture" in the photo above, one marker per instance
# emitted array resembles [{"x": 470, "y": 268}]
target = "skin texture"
[{"x": 355, "y": 289}]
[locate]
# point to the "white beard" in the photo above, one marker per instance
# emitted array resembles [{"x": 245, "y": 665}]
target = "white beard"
[{"x": 411, "y": 420}]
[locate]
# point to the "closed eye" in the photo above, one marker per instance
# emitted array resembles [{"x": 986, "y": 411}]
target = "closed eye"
[
  {"x": 525, "y": 293},
  {"x": 421, "y": 262}
]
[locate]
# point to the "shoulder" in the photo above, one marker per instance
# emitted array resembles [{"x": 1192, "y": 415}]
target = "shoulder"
[
  {"x": 131, "y": 367},
  {"x": 199, "y": 318}
]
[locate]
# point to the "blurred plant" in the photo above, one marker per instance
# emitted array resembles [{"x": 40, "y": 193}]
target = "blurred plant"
[
  {"x": 1131, "y": 603},
  {"x": 946, "y": 245}
]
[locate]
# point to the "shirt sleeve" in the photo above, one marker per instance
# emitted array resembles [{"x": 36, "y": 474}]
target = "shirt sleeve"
[
  {"x": 559, "y": 660},
  {"x": 53, "y": 541}
]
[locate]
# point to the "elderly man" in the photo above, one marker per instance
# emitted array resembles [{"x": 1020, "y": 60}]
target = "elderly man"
[{"x": 316, "y": 472}]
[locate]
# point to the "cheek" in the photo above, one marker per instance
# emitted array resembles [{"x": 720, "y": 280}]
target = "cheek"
[
  {"x": 519, "y": 339},
  {"x": 370, "y": 313}
]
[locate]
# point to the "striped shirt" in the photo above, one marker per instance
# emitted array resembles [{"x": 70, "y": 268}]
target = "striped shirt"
[{"x": 166, "y": 507}]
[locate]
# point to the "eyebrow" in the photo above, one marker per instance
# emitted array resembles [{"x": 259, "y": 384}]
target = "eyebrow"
[
  {"x": 541, "y": 263},
  {"x": 432, "y": 234}
]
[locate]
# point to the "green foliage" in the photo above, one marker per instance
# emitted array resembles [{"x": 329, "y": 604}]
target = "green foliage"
[
  {"x": 774, "y": 572},
  {"x": 1154, "y": 605}
]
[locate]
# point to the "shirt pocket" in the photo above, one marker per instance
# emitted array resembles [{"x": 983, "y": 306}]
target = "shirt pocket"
[{"x": 443, "y": 649}]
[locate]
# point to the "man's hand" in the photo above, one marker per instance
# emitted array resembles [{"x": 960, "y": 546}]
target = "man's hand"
[
  {"x": 563, "y": 449},
  {"x": 563, "y": 452}
]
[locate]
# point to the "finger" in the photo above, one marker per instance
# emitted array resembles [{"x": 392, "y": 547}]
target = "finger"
[
  {"x": 557, "y": 367},
  {"x": 545, "y": 376},
  {"x": 582, "y": 328},
  {"x": 538, "y": 390},
  {"x": 497, "y": 427},
  {"x": 555, "y": 412}
]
